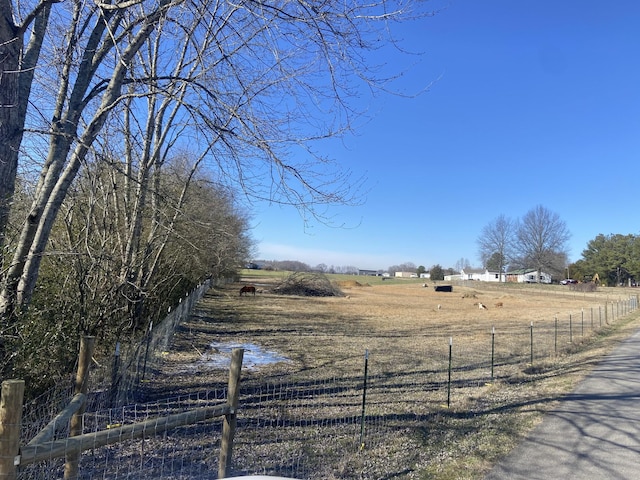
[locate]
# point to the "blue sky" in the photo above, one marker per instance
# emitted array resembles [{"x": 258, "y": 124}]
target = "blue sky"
[{"x": 531, "y": 103}]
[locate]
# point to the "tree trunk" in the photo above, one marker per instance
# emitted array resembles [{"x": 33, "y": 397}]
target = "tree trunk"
[
  {"x": 10, "y": 123},
  {"x": 17, "y": 69},
  {"x": 21, "y": 278}
]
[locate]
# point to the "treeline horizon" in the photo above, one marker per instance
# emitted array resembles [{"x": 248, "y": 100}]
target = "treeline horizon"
[
  {"x": 615, "y": 258},
  {"x": 298, "y": 266}
]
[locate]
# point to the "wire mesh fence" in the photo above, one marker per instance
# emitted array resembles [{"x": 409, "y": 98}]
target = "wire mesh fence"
[
  {"x": 323, "y": 427},
  {"x": 364, "y": 426},
  {"x": 113, "y": 388},
  {"x": 117, "y": 382},
  {"x": 184, "y": 452}
]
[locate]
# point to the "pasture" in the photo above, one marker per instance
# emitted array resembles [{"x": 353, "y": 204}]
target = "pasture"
[{"x": 450, "y": 386}]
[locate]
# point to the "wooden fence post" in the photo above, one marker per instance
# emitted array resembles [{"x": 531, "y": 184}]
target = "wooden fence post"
[
  {"x": 75, "y": 426},
  {"x": 230, "y": 420},
  {"x": 10, "y": 424}
]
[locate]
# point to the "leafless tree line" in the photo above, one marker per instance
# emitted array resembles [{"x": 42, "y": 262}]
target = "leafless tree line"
[{"x": 538, "y": 240}]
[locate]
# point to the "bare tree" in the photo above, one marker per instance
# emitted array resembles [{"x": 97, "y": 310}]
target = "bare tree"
[
  {"x": 462, "y": 263},
  {"x": 17, "y": 68},
  {"x": 254, "y": 86},
  {"x": 403, "y": 267},
  {"x": 90, "y": 86},
  {"x": 496, "y": 240},
  {"x": 542, "y": 240},
  {"x": 79, "y": 287}
]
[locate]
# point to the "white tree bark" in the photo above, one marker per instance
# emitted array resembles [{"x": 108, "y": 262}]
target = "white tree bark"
[
  {"x": 254, "y": 86},
  {"x": 62, "y": 163},
  {"x": 17, "y": 67}
]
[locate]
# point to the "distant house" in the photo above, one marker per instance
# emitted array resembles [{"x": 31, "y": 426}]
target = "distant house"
[
  {"x": 369, "y": 273},
  {"x": 528, "y": 275},
  {"x": 406, "y": 274},
  {"x": 481, "y": 275}
]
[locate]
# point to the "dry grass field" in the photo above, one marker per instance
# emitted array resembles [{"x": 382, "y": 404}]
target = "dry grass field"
[{"x": 450, "y": 387}]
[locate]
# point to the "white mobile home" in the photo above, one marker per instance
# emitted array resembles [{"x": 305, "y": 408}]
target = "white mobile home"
[
  {"x": 480, "y": 275},
  {"x": 528, "y": 275}
]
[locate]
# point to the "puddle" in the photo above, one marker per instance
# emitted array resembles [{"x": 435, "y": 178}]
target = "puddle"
[{"x": 219, "y": 356}]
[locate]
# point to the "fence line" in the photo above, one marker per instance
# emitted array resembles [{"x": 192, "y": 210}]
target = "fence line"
[
  {"x": 117, "y": 381},
  {"x": 278, "y": 421},
  {"x": 315, "y": 428},
  {"x": 129, "y": 368},
  {"x": 44, "y": 448},
  {"x": 114, "y": 384}
]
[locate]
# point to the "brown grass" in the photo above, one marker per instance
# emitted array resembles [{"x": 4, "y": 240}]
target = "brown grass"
[{"x": 407, "y": 329}]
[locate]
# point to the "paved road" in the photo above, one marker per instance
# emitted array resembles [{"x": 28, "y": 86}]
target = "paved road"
[{"x": 594, "y": 433}]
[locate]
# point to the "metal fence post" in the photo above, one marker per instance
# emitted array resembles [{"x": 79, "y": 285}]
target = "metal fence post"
[
  {"x": 364, "y": 397},
  {"x": 449, "y": 380},
  {"x": 570, "y": 329},
  {"x": 115, "y": 379},
  {"x": 532, "y": 344},
  {"x": 493, "y": 349}
]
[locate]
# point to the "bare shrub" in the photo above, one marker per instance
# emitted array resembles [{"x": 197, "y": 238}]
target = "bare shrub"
[{"x": 584, "y": 287}]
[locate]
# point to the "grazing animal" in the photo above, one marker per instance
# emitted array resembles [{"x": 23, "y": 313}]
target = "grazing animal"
[
  {"x": 498, "y": 305},
  {"x": 439, "y": 307},
  {"x": 482, "y": 306},
  {"x": 248, "y": 289}
]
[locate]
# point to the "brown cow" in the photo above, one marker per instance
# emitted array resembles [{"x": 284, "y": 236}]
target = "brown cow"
[{"x": 248, "y": 289}]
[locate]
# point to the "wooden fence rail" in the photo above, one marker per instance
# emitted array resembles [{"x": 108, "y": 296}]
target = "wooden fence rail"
[
  {"x": 58, "y": 448},
  {"x": 41, "y": 447},
  {"x": 60, "y": 421}
]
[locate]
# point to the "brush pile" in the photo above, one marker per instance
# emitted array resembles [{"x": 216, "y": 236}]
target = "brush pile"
[{"x": 308, "y": 285}]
